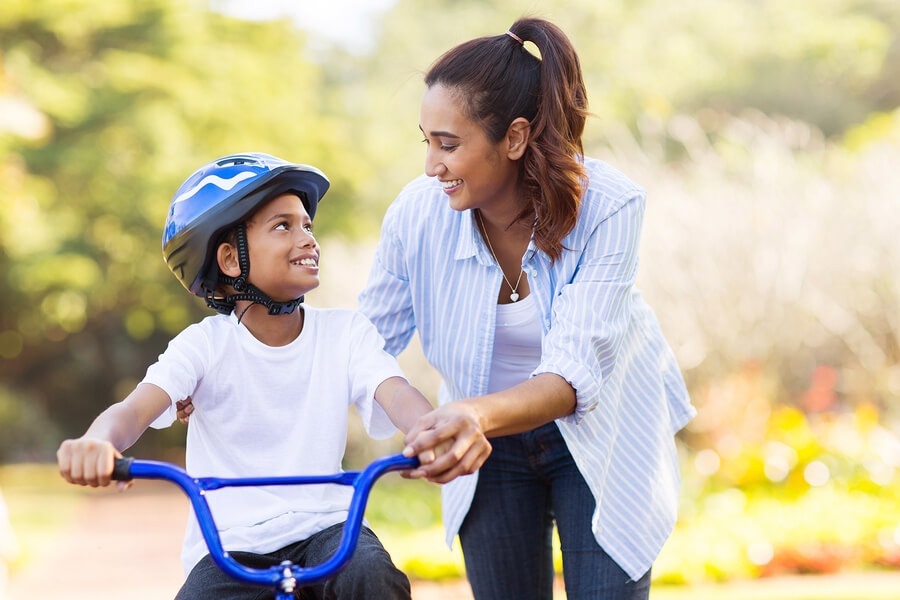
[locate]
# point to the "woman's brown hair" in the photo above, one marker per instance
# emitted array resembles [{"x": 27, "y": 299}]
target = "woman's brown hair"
[{"x": 499, "y": 81}]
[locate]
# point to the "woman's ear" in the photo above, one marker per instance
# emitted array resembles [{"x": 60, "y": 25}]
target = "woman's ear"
[
  {"x": 226, "y": 256},
  {"x": 517, "y": 135}
]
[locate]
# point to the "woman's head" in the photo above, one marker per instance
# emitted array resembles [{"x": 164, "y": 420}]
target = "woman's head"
[{"x": 497, "y": 81}]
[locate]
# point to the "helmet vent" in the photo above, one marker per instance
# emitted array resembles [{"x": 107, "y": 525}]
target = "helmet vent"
[{"x": 237, "y": 160}]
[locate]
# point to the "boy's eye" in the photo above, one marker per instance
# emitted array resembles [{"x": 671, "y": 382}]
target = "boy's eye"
[
  {"x": 282, "y": 225},
  {"x": 308, "y": 227}
]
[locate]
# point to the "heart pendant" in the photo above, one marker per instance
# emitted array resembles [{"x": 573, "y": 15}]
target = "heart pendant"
[{"x": 514, "y": 296}]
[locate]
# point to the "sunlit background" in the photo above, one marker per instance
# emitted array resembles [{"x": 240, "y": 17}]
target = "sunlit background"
[{"x": 766, "y": 133}]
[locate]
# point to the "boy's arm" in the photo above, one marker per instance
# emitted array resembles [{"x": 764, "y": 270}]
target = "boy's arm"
[
  {"x": 88, "y": 460},
  {"x": 404, "y": 405}
]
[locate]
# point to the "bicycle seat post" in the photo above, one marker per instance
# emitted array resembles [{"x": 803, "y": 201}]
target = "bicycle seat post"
[{"x": 288, "y": 582}]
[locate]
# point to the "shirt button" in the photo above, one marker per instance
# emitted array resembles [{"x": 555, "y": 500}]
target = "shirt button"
[{"x": 534, "y": 272}]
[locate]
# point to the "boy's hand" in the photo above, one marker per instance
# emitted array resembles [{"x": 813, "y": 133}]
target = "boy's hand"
[{"x": 88, "y": 461}]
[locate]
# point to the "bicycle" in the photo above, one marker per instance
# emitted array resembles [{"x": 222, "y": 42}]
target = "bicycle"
[{"x": 283, "y": 578}]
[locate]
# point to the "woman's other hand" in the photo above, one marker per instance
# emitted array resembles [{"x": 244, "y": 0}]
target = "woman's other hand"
[{"x": 183, "y": 409}]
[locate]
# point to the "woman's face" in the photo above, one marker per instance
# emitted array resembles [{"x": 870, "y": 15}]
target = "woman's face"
[{"x": 474, "y": 172}]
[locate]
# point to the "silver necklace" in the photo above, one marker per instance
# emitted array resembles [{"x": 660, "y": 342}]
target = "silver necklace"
[{"x": 515, "y": 295}]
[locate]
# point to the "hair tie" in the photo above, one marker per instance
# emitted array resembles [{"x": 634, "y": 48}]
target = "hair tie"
[{"x": 515, "y": 37}]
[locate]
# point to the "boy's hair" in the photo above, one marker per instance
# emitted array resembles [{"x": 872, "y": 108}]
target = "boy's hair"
[{"x": 214, "y": 202}]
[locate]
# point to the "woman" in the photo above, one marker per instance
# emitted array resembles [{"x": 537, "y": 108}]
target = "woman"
[{"x": 514, "y": 256}]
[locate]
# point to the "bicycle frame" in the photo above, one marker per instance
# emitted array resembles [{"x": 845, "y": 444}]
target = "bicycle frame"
[{"x": 284, "y": 578}]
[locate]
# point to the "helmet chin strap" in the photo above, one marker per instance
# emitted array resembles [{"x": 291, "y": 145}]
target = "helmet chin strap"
[{"x": 246, "y": 290}]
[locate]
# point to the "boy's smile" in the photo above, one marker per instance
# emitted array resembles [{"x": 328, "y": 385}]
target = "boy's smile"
[{"x": 284, "y": 254}]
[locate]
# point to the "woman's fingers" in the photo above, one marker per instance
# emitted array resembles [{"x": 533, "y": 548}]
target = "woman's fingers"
[
  {"x": 465, "y": 457},
  {"x": 183, "y": 409}
]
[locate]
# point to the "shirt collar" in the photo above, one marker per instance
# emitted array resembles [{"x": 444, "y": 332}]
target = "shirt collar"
[{"x": 469, "y": 243}]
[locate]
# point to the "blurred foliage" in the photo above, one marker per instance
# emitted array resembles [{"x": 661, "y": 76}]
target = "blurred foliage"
[
  {"x": 767, "y": 134},
  {"x": 778, "y": 490}
]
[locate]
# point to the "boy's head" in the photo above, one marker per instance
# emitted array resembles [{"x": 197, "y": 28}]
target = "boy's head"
[{"x": 214, "y": 207}]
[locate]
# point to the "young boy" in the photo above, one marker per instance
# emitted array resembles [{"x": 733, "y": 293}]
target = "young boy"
[{"x": 271, "y": 381}]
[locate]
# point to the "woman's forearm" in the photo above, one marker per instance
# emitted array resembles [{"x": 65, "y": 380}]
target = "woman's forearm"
[{"x": 525, "y": 406}]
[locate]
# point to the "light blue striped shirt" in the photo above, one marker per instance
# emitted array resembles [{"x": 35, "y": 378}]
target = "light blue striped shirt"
[{"x": 433, "y": 273}]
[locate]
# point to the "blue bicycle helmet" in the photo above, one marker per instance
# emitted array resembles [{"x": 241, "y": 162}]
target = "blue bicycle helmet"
[{"x": 218, "y": 197}]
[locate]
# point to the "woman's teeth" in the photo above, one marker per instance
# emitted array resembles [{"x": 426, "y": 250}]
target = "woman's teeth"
[
  {"x": 451, "y": 183},
  {"x": 306, "y": 262}
]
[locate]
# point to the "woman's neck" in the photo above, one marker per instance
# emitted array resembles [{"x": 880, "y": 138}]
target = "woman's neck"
[
  {"x": 271, "y": 330},
  {"x": 504, "y": 222}
]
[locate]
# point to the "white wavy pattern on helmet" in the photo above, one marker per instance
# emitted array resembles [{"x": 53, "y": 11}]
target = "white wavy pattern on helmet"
[{"x": 225, "y": 184}]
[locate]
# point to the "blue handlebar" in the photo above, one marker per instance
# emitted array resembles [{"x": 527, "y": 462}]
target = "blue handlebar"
[{"x": 274, "y": 577}]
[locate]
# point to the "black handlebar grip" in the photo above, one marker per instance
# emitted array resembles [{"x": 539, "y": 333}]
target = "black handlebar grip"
[{"x": 122, "y": 469}]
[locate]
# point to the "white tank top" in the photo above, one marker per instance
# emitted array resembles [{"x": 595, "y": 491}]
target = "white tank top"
[{"x": 517, "y": 344}]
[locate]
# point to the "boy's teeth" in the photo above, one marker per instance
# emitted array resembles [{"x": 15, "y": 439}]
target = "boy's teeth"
[
  {"x": 451, "y": 183},
  {"x": 306, "y": 262}
]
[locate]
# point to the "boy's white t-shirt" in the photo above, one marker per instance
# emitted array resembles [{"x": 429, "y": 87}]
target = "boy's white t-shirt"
[{"x": 264, "y": 411}]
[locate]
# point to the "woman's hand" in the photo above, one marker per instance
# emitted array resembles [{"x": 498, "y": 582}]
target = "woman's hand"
[
  {"x": 455, "y": 434},
  {"x": 183, "y": 409}
]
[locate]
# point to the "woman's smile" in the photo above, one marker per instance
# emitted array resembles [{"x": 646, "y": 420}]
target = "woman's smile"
[{"x": 451, "y": 185}]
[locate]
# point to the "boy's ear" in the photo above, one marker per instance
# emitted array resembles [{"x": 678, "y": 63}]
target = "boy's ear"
[
  {"x": 227, "y": 257},
  {"x": 517, "y": 135}
]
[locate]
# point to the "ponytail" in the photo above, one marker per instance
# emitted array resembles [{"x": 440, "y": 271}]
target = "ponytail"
[{"x": 501, "y": 81}]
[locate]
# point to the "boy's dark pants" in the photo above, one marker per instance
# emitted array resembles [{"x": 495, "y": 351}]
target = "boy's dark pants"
[{"x": 369, "y": 574}]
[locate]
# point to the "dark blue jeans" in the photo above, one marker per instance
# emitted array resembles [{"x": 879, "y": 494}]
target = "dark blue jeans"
[
  {"x": 369, "y": 574},
  {"x": 529, "y": 481}
]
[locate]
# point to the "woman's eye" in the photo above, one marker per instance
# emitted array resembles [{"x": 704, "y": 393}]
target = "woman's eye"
[
  {"x": 448, "y": 148},
  {"x": 425, "y": 141}
]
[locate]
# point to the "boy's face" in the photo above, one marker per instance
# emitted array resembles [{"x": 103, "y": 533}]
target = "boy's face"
[{"x": 284, "y": 255}]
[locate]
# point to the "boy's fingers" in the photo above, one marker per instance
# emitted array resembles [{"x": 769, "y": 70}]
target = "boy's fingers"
[
  {"x": 76, "y": 470},
  {"x": 64, "y": 461}
]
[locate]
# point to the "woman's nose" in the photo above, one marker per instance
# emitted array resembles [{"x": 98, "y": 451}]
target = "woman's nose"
[{"x": 433, "y": 166}]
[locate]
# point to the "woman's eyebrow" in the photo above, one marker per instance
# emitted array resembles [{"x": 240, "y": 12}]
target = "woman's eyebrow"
[{"x": 441, "y": 133}]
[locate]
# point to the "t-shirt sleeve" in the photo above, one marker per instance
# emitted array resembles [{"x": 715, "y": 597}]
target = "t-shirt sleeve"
[
  {"x": 178, "y": 370},
  {"x": 370, "y": 365}
]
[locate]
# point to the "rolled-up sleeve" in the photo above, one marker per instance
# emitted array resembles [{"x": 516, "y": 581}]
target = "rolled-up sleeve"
[
  {"x": 590, "y": 314},
  {"x": 387, "y": 298}
]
